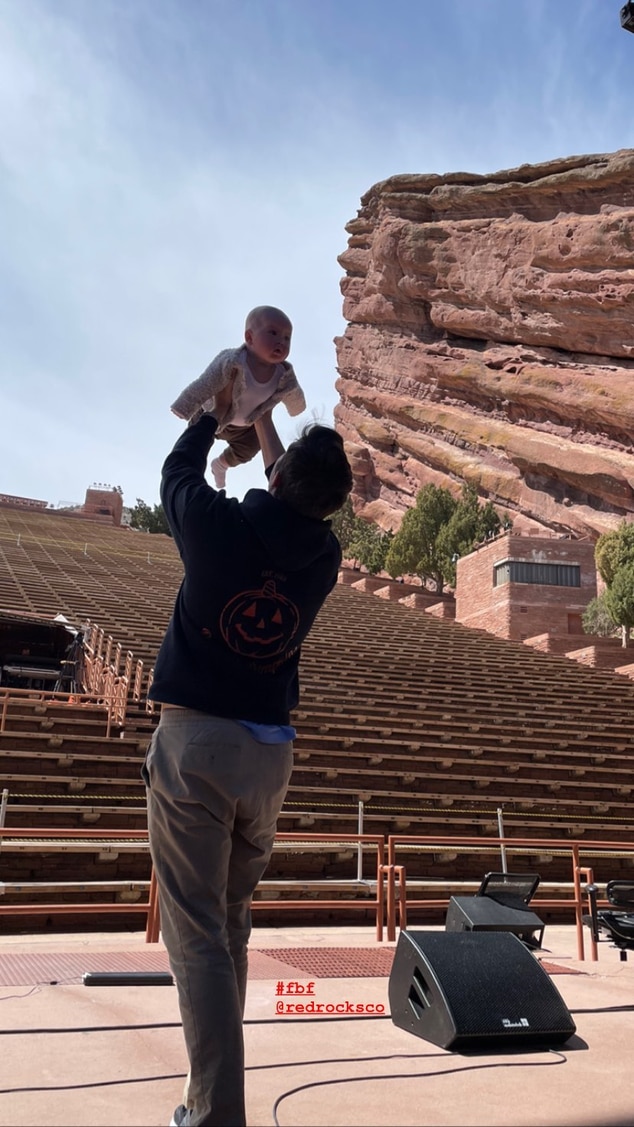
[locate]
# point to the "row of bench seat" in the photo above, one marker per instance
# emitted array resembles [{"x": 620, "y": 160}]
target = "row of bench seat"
[{"x": 432, "y": 724}]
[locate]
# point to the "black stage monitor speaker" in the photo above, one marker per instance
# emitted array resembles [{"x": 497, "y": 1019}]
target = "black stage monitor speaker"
[
  {"x": 481, "y": 913},
  {"x": 475, "y": 991}
]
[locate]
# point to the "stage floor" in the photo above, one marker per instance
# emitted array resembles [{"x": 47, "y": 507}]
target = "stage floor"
[{"x": 83, "y": 1056}]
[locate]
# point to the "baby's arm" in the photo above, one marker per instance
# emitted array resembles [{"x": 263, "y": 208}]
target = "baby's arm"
[
  {"x": 294, "y": 400},
  {"x": 200, "y": 396}
]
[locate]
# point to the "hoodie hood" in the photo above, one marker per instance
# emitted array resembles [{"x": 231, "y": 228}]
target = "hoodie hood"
[{"x": 290, "y": 540}]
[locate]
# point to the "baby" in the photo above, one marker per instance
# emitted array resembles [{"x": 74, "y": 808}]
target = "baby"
[{"x": 241, "y": 384}]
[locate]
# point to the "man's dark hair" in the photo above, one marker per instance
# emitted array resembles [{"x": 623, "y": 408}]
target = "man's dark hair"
[{"x": 315, "y": 475}]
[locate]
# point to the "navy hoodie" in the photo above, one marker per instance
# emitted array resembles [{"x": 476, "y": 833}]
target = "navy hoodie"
[{"x": 256, "y": 574}]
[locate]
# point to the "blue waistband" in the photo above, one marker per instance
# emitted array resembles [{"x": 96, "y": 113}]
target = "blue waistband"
[{"x": 270, "y": 733}]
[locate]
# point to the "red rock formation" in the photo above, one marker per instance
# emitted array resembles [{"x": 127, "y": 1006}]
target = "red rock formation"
[{"x": 491, "y": 340}]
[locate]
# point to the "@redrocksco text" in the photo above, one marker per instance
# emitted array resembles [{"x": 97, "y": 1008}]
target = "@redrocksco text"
[{"x": 308, "y": 1005}]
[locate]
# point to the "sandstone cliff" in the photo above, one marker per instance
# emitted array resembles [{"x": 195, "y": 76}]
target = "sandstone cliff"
[{"x": 490, "y": 339}]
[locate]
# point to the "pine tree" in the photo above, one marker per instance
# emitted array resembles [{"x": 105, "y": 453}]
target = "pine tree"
[{"x": 148, "y": 519}]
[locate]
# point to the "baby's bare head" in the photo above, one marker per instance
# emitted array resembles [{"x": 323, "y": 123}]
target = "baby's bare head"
[
  {"x": 267, "y": 334},
  {"x": 265, "y": 312}
]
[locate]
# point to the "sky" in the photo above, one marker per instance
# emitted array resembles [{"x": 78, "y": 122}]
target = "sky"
[{"x": 166, "y": 165}]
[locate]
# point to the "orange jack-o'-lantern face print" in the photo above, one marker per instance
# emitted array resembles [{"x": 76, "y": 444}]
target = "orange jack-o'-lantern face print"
[{"x": 259, "y": 624}]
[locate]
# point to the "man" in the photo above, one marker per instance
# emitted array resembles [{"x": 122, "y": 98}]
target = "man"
[{"x": 256, "y": 574}]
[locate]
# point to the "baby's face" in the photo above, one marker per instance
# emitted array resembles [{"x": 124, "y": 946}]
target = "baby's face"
[{"x": 270, "y": 339}]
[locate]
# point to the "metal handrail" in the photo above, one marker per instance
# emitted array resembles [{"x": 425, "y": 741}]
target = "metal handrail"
[
  {"x": 396, "y": 874},
  {"x": 292, "y": 841},
  {"x": 93, "y": 701},
  {"x": 390, "y": 880}
]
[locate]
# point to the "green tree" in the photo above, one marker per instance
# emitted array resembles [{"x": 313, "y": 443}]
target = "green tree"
[
  {"x": 414, "y": 549},
  {"x": 613, "y": 550},
  {"x": 377, "y": 552},
  {"x": 360, "y": 539},
  {"x": 344, "y": 524},
  {"x": 369, "y": 545},
  {"x": 469, "y": 524},
  {"x": 619, "y": 599},
  {"x": 440, "y": 529},
  {"x": 149, "y": 519},
  {"x": 597, "y": 618},
  {"x": 614, "y": 557}
]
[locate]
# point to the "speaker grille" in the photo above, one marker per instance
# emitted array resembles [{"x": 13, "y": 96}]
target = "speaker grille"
[{"x": 474, "y": 989}]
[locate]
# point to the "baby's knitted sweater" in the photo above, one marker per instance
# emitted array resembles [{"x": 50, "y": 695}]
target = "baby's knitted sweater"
[{"x": 231, "y": 365}]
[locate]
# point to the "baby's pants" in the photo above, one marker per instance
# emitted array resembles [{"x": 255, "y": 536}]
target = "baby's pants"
[
  {"x": 214, "y": 795},
  {"x": 243, "y": 444}
]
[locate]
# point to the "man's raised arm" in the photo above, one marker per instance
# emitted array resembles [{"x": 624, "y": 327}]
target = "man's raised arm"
[{"x": 269, "y": 439}]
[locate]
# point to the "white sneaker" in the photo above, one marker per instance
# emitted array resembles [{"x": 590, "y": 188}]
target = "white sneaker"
[
  {"x": 219, "y": 471},
  {"x": 180, "y": 1117}
]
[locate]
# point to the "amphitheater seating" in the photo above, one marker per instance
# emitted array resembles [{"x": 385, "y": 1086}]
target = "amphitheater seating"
[{"x": 431, "y": 725}]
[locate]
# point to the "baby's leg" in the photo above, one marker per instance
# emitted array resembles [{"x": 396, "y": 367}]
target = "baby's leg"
[
  {"x": 219, "y": 470},
  {"x": 243, "y": 445}
]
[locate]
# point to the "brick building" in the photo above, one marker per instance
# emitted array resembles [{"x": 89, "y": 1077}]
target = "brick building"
[
  {"x": 519, "y": 586},
  {"x": 103, "y": 501}
]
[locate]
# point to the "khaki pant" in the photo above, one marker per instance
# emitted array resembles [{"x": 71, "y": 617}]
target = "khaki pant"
[{"x": 214, "y": 796}]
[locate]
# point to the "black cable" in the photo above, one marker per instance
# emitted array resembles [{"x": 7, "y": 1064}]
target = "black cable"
[
  {"x": 606, "y": 1010},
  {"x": 86, "y": 1028},
  {"x": 248, "y": 1021},
  {"x": 92, "y": 1084},
  {"x": 409, "y": 1076},
  {"x": 342, "y": 1060},
  {"x": 36, "y": 987},
  {"x": 175, "y": 1024},
  {"x": 255, "y": 1021},
  {"x": 288, "y": 1064},
  {"x": 33, "y": 990}
]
